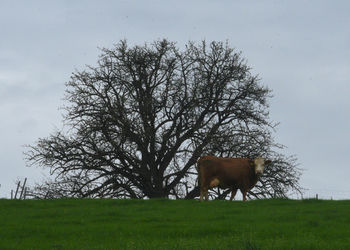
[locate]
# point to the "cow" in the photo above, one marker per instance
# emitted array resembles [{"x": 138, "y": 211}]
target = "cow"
[{"x": 233, "y": 173}]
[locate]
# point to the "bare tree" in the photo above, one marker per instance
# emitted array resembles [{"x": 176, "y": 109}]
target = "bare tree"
[{"x": 138, "y": 121}]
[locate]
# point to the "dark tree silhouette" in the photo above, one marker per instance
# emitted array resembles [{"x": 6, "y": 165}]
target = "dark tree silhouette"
[{"x": 138, "y": 121}]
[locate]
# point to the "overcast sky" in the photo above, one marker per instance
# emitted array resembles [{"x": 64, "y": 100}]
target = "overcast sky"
[{"x": 300, "y": 49}]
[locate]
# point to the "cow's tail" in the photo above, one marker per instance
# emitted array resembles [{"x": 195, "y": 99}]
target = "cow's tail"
[{"x": 199, "y": 173}]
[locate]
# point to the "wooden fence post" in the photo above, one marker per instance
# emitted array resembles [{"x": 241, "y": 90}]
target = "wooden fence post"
[
  {"x": 25, "y": 193},
  {"x": 23, "y": 187},
  {"x": 18, "y": 184}
]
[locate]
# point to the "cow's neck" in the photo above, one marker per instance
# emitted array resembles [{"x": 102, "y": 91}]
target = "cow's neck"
[{"x": 253, "y": 177}]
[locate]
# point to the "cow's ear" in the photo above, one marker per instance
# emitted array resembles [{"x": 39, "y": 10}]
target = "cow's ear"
[{"x": 267, "y": 162}]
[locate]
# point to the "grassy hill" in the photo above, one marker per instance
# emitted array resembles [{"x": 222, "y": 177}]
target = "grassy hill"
[{"x": 170, "y": 224}]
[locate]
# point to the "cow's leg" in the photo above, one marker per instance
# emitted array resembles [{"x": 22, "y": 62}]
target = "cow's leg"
[
  {"x": 204, "y": 193},
  {"x": 234, "y": 191},
  {"x": 244, "y": 193}
]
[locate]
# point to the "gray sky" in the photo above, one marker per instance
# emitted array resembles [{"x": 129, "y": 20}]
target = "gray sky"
[{"x": 300, "y": 49}]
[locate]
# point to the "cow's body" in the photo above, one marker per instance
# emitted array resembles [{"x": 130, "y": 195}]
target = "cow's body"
[{"x": 233, "y": 173}]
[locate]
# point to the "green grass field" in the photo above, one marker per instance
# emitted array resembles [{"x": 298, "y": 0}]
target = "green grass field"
[{"x": 174, "y": 224}]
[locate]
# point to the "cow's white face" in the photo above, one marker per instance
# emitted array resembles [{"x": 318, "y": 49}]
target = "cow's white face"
[{"x": 259, "y": 164}]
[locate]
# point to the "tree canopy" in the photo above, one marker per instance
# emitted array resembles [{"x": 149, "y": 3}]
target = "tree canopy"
[{"x": 137, "y": 122}]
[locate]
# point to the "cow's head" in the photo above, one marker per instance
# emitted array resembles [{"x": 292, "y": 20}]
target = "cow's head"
[{"x": 259, "y": 165}]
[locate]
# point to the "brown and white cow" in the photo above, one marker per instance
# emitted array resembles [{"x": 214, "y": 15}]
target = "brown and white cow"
[{"x": 233, "y": 173}]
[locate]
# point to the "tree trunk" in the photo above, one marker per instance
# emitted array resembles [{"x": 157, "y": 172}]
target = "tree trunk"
[{"x": 157, "y": 193}]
